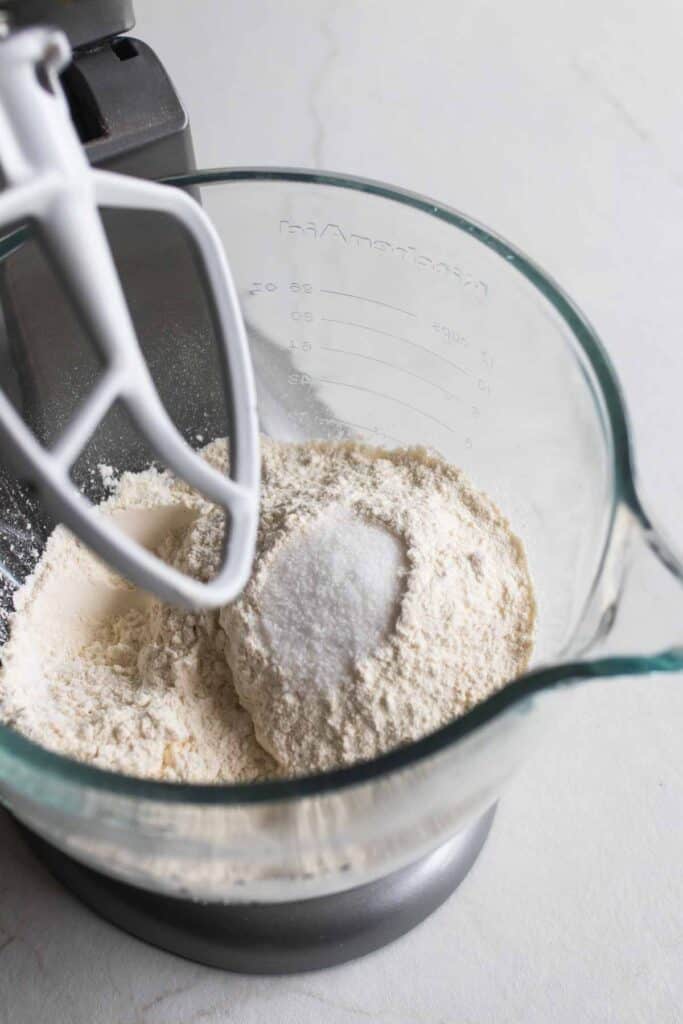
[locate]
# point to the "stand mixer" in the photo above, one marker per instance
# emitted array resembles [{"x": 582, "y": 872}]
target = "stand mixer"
[{"x": 376, "y": 314}]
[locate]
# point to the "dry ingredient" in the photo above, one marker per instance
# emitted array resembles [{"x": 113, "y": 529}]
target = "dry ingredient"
[
  {"x": 398, "y": 550},
  {"x": 99, "y": 671},
  {"x": 388, "y": 596}
]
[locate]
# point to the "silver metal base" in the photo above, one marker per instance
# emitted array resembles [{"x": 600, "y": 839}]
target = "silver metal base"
[{"x": 278, "y": 938}]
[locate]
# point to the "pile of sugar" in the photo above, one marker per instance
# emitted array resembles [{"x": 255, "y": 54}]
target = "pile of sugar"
[
  {"x": 388, "y": 596},
  {"x": 332, "y": 597}
]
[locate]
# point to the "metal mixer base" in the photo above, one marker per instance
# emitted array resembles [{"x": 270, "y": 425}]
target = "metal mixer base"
[{"x": 277, "y": 938}]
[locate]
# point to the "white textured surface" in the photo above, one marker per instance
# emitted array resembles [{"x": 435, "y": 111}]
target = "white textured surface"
[
  {"x": 560, "y": 126},
  {"x": 332, "y": 598}
]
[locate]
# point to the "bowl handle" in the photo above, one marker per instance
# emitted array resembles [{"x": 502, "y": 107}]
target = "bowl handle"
[{"x": 635, "y": 610}]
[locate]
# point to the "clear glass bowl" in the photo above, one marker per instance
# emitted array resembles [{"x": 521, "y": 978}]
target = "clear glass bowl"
[{"x": 377, "y": 314}]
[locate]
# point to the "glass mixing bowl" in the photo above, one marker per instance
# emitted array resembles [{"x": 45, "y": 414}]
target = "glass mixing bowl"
[{"x": 380, "y": 315}]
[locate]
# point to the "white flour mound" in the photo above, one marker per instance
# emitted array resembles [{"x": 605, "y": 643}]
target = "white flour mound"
[
  {"x": 101, "y": 672},
  {"x": 388, "y": 596}
]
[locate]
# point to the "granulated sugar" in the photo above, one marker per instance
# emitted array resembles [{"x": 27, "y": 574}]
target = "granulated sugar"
[{"x": 332, "y": 598}]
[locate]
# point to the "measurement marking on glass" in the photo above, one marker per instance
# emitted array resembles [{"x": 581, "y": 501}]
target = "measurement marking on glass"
[
  {"x": 397, "y": 337},
  {"x": 390, "y": 398},
  {"x": 392, "y": 366},
  {"x": 364, "y": 298},
  {"x": 369, "y": 430}
]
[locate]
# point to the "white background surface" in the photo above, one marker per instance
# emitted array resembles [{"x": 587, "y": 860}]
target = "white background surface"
[{"x": 561, "y": 126}]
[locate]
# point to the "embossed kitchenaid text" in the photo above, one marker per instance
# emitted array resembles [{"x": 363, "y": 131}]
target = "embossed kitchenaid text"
[{"x": 407, "y": 253}]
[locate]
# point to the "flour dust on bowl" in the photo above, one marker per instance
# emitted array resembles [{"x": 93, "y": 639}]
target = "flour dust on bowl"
[{"x": 379, "y": 317}]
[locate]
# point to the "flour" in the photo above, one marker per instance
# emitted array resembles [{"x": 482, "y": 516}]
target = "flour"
[
  {"x": 388, "y": 597},
  {"x": 101, "y": 672},
  {"x": 461, "y": 627}
]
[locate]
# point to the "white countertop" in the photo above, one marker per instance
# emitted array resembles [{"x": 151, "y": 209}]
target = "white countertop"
[{"x": 561, "y": 126}]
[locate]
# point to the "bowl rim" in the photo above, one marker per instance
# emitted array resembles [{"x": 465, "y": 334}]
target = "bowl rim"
[{"x": 515, "y": 696}]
